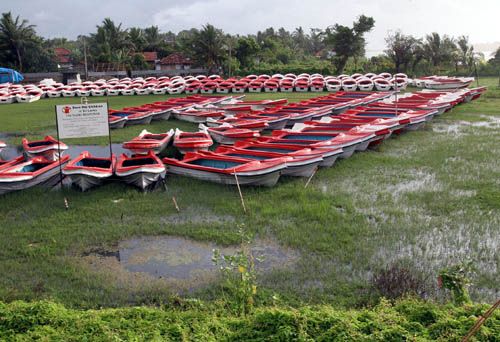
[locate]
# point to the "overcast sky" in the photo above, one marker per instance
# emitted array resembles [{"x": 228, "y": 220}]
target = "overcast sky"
[{"x": 477, "y": 19}]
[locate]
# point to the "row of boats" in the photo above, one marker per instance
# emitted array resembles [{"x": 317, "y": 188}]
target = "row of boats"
[
  {"x": 316, "y": 133},
  {"x": 201, "y": 84}
]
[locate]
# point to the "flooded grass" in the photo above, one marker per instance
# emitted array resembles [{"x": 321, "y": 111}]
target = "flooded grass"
[
  {"x": 430, "y": 198},
  {"x": 182, "y": 265}
]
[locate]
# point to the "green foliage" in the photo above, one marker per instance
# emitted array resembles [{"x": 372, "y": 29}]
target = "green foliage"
[
  {"x": 20, "y": 47},
  {"x": 240, "y": 277},
  {"x": 348, "y": 42},
  {"x": 405, "y": 320},
  {"x": 456, "y": 279}
]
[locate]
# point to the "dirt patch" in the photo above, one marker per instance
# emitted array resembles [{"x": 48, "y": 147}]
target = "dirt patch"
[{"x": 180, "y": 264}]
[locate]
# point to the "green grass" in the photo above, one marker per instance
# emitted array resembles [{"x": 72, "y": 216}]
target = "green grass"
[{"x": 428, "y": 198}]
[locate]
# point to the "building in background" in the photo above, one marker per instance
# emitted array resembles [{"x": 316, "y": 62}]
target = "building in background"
[{"x": 175, "y": 61}]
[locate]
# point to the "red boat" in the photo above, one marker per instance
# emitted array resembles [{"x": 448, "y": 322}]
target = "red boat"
[
  {"x": 21, "y": 173},
  {"x": 48, "y": 148},
  {"x": 299, "y": 163},
  {"x": 192, "y": 141},
  {"x": 87, "y": 171},
  {"x": 349, "y": 142},
  {"x": 143, "y": 171},
  {"x": 147, "y": 141},
  {"x": 328, "y": 153},
  {"x": 228, "y": 135},
  {"x": 227, "y": 170}
]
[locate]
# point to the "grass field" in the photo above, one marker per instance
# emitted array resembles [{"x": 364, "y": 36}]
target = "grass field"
[{"x": 426, "y": 199}]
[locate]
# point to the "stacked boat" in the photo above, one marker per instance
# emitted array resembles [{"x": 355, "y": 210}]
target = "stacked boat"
[{"x": 215, "y": 84}]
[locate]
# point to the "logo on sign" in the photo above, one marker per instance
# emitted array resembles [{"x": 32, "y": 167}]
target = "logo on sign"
[{"x": 66, "y": 110}]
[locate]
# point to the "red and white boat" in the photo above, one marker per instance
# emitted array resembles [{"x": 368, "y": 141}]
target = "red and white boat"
[
  {"x": 227, "y": 170},
  {"x": 87, "y": 171},
  {"x": 197, "y": 116},
  {"x": 365, "y": 84},
  {"x": 147, "y": 141},
  {"x": 143, "y": 171},
  {"x": 29, "y": 96},
  {"x": 48, "y": 148},
  {"x": 22, "y": 173},
  {"x": 192, "y": 141},
  {"x": 228, "y": 135},
  {"x": 349, "y": 84}
]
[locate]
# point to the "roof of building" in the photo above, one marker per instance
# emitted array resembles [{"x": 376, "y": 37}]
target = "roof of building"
[
  {"x": 150, "y": 56},
  {"x": 62, "y": 55},
  {"x": 175, "y": 59}
]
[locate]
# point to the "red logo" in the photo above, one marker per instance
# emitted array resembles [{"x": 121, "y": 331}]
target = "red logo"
[{"x": 66, "y": 110}]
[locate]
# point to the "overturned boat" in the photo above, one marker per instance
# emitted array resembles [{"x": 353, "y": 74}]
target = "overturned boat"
[
  {"x": 143, "y": 171},
  {"x": 147, "y": 141},
  {"x": 87, "y": 171},
  {"x": 227, "y": 134},
  {"x": 192, "y": 141}
]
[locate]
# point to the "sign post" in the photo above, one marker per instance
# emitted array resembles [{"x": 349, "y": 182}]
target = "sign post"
[{"x": 82, "y": 121}]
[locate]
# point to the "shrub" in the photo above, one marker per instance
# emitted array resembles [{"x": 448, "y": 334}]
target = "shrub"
[{"x": 397, "y": 281}]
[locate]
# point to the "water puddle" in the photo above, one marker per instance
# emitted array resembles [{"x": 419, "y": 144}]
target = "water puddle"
[
  {"x": 10, "y": 152},
  {"x": 489, "y": 122},
  {"x": 181, "y": 263}
]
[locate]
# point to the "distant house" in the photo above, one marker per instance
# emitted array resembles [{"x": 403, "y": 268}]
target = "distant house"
[
  {"x": 63, "y": 58},
  {"x": 175, "y": 61},
  {"x": 151, "y": 58}
]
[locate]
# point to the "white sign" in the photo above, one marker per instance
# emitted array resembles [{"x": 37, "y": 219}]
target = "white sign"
[{"x": 82, "y": 120}]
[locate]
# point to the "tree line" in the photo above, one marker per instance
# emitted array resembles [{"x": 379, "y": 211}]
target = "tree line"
[{"x": 335, "y": 49}]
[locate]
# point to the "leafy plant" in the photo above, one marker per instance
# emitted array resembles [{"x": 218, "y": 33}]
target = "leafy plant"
[
  {"x": 455, "y": 279},
  {"x": 238, "y": 271}
]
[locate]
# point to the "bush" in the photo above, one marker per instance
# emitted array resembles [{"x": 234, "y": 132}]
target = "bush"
[
  {"x": 408, "y": 319},
  {"x": 397, "y": 281}
]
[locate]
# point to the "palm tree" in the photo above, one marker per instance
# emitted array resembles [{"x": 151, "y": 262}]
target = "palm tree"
[
  {"x": 208, "y": 46},
  {"x": 466, "y": 51},
  {"x": 153, "y": 38},
  {"x": 15, "y": 35},
  {"x": 136, "y": 38}
]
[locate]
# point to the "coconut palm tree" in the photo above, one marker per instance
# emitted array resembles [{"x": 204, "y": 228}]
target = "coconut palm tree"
[
  {"x": 208, "y": 47},
  {"x": 15, "y": 36},
  {"x": 136, "y": 38}
]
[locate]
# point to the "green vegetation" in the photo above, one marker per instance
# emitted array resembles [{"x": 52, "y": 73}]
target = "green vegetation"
[
  {"x": 335, "y": 49},
  {"x": 195, "y": 321},
  {"x": 427, "y": 199}
]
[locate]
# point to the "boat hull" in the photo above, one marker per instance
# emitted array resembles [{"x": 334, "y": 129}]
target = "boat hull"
[
  {"x": 266, "y": 179},
  {"x": 143, "y": 179},
  {"x": 49, "y": 179}
]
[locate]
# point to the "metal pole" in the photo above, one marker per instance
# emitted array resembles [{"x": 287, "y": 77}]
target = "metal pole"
[
  {"x": 59, "y": 148},
  {"x": 85, "y": 58},
  {"x": 109, "y": 135}
]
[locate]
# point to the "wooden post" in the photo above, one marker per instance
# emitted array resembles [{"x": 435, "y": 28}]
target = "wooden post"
[
  {"x": 175, "y": 204},
  {"x": 480, "y": 321},
  {"x": 312, "y": 175},
  {"x": 239, "y": 191}
]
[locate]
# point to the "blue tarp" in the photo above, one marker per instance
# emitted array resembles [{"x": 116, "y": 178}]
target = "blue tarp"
[{"x": 9, "y": 75}]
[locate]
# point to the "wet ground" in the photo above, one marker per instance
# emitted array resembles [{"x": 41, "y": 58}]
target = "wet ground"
[
  {"x": 10, "y": 152},
  {"x": 181, "y": 263}
]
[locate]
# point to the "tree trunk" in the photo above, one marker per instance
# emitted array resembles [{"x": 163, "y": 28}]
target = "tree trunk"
[
  {"x": 342, "y": 61},
  {"x": 19, "y": 60}
]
